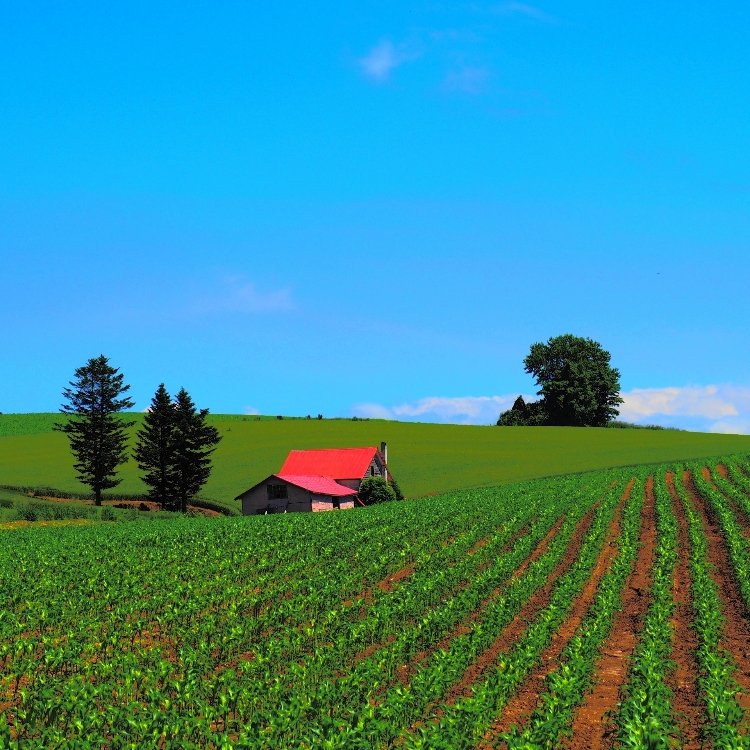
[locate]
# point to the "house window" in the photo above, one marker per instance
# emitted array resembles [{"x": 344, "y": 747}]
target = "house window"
[
  {"x": 336, "y": 502},
  {"x": 277, "y": 492},
  {"x": 372, "y": 471}
]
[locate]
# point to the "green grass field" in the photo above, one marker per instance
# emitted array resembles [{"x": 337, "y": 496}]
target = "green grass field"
[{"x": 424, "y": 458}]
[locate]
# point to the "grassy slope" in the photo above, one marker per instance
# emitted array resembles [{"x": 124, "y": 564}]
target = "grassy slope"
[{"x": 425, "y": 458}]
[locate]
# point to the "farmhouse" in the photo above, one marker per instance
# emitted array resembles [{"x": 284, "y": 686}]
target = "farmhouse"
[{"x": 316, "y": 480}]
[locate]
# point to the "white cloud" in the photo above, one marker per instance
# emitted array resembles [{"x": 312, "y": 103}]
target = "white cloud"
[
  {"x": 452, "y": 410},
  {"x": 250, "y": 411},
  {"x": 729, "y": 427},
  {"x": 715, "y": 408},
  {"x": 710, "y": 408},
  {"x": 687, "y": 401},
  {"x": 383, "y": 58},
  {"x": 237, "y": 294}
]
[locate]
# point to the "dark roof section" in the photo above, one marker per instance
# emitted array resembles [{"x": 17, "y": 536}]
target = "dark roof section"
[{"x": 317, "y": 485}]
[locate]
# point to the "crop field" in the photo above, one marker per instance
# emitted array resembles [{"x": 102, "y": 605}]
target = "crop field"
[
  {"x": 425, "y": 458},
  {"x": 606, "y": 609}
]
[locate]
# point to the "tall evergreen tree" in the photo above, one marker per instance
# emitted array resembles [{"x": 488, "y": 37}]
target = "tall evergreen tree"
[
  {"x": 194, "y": 442},
  {"x": 97, "y": 435},
  {"x": 155, "y": 448}
]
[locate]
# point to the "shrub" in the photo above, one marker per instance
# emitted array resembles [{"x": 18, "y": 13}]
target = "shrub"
[
  {"x": 27, "y": 513},
  {"x": 396, "y": 489},
  {"x": 375, "y": 490},
  {"x": 108, "y": 514}
]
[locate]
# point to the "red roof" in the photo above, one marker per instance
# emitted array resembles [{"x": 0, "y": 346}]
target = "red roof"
[
  {"x": 337, "y": 463},
  {"x": 317, "y": 485}
]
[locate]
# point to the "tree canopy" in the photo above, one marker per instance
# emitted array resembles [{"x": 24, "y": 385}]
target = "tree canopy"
[
  {"x": 577, "y": 385},
  {"x": 97, "y": 436}
]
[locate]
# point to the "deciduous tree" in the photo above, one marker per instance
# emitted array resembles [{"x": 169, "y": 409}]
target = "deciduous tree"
[
  {"x": 97, "y": 435},
  {"x": 577, "y": 384}
]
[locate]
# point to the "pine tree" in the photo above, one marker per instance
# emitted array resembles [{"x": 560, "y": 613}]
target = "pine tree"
[
  {"x": 155, "y": 448},
  {"x": 97, "y": 436},
  {"x": 194, "y": 443}
]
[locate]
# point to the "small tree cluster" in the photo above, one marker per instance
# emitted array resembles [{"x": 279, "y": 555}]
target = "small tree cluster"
[
  {"x": 174, "y": 448},
  {"x": 522, "y": 414},
  {"x": 577, "y": 384},
  {"x": 174, "y": 444}
]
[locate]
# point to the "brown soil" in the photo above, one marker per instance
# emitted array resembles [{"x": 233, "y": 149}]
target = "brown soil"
[
  {"x": 372, "y": 648},
  {"x": 736, "y": 636},
  {"x": 706, "y": 474},
  {"x": 688, "y": 709},
  {"x": 407, "y": 671},
  {"x": 591, "y": 723},
  {"x": 536, "y": 602},
  {"x": 739, "y": 512},
  {"x": 525, "y": 701},
  {"x": 387, "y": 583},
  {"x": 479, "y": 545}
]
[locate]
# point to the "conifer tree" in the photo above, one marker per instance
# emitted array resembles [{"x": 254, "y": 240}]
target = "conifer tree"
[
  {"x": 155, "y": 448},
  {"x": 194, "y": 442},
  {"x": 97, "y": 436}
]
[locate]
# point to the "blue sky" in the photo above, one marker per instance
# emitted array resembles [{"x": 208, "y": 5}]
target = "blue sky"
[{"x": 375, "y": 208}]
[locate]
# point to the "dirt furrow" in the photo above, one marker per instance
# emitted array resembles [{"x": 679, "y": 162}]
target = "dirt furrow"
[
  {"x": 739, "y": 512},
  {"x": 592, "y": 723},
  {"x": 540, "y": 599},
  {"x": 407, "y": 671},
  {"x": 524, "y": 702},
  {"x": 736, "y": 635},
  {"x": 688, "y": 710}
]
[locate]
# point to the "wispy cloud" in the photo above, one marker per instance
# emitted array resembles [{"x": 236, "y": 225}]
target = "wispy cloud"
[
  {"x": 466, "y": 80},
  {"x": 445, "y": 409},
  {"x": 239, "y": 295},
  {"x": 714, "y": 408},
  {"x": 686, "y": 401},
  {"x": 524, "y": 9},
  {"x": 710, "y": 408},
  {"x": 384, "y": 58}
]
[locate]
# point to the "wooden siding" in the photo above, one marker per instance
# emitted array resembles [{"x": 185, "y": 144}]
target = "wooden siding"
[{"x": 256, "y": 500}]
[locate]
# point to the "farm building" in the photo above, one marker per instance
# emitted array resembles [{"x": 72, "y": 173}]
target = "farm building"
[{"x": 316, "y": 480}]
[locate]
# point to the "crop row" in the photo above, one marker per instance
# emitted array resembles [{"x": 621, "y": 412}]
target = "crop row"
[
  {"x": 408, "y": 626},
  {"x": 568, "y": 684},
  {"x": 716, "y": 678}
]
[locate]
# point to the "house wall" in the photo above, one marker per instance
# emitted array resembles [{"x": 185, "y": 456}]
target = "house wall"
[
  {"x": 322, "y": 503},
  {"x": 256, "y": 500}
]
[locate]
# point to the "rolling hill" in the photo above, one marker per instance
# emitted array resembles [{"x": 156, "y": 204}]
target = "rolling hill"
[{"x": 425, "y": 458}]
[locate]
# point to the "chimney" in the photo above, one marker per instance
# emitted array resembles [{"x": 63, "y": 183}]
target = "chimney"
[{"x": 384, "y": 454}]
